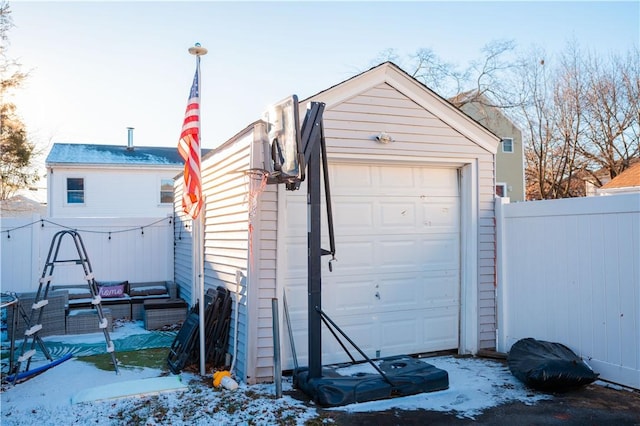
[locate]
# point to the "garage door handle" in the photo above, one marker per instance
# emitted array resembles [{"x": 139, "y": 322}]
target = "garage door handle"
[{"x": 377, "y": 295}]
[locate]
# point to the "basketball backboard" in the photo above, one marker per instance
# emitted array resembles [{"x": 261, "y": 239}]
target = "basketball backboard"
[{"x": 284, "y": 161}]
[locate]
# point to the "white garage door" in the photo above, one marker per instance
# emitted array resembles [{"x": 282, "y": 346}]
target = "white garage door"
[{"x": 395, "y": 287}]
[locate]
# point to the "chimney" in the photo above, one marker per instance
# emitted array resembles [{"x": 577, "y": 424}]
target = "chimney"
[{"x": 129, "y": 138}]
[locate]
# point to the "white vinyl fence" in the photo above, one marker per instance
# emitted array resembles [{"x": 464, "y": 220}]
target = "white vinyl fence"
[
  {"x": 133, "y": 249},
  {"x": 569, "y": 272}
]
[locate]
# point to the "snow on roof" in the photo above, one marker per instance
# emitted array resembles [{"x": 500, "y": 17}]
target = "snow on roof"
[{"x": 68, "y": 153}]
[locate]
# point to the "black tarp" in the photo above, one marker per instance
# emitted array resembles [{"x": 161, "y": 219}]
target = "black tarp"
[{"x": 548, "y": 366}]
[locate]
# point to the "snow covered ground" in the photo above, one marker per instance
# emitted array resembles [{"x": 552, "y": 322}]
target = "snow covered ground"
[{"x": 50, "y": 398}]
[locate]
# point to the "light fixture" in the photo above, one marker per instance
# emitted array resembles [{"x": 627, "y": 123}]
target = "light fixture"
[{"x": 384, "y": 137}]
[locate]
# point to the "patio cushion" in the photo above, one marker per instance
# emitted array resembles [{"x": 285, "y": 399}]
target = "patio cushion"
[
  {"x": 78, "y": 293},
  {"x": 112, "y": 289},
  {"x": 152, "y": 290}
]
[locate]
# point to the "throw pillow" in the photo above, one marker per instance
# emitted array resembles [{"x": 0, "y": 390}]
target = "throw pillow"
[{"x": 111, "y": 290}]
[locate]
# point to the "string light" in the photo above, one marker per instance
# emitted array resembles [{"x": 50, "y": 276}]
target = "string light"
[{"x": 91, "y": 231}]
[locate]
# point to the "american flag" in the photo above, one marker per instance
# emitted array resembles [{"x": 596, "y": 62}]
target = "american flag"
[{"x": 189, "y": 149}]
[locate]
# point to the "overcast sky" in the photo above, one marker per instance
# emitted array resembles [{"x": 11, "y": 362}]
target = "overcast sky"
[{"x": 97, "y": 68}]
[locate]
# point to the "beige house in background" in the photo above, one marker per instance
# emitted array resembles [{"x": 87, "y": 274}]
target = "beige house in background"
[{"x": 510, "y": 155}]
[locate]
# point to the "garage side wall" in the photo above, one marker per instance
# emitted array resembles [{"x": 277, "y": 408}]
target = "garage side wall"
[
  {"x": 226, "y": 233},
  {"x": 262, "y": 270}
]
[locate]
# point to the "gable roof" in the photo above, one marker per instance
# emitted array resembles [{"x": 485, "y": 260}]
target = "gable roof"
[
  {"x": 626, "y": 179},
  {"x": 83, "y": 154},
  {"x": 394, "y": 76}
]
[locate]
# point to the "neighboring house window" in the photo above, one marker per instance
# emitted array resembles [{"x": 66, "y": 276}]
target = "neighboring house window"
[
  {"x": 507, "y": 145},
  {"x": 75, "y": 190},
  {"x": 166, "y": 191},
  {"x": 501, "y": 189}
]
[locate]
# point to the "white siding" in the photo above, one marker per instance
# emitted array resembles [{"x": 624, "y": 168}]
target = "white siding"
[
  {"x": 226, "y": 235},
  {"x": 110, "y": 191}
]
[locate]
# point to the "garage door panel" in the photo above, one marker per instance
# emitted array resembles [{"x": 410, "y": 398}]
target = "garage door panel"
[
  {"x": 390, "y": 179},
  {"x": 348, "y": 296},
  {"x": 399, "y": 334},
  {"x": 350, "y": 178},
  {"x": 296, "y": 258},
  {"x": 354, "y": 217},
  {"x": 398, "y": 214},
  {"x": 296, "y": 291},
  {"x": 440, "y": 291},
  {"x": 440, "y": 215},
  {"x": 438, "y": 181},
  {"x": 396, "y": 254},
  {"x": 429, "y": 330},
  {"x": 394, "y": 294},
  {"x": 440, "y": 254},
  {"x": 359, "y": 331},
  {"x": 354, "y": 257},
  {"x": 395, "y": 288},
  {"x": 394, "y": 214},
  {"x": 440, "y": 328},
  {"x": 296, "y": 207}
]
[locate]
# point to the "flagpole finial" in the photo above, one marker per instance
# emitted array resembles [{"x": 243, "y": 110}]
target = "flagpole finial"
[{"x": 198, "y": 50}]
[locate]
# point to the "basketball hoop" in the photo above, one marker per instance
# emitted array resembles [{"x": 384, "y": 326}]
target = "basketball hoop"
[{"x": 257, "y": 181}]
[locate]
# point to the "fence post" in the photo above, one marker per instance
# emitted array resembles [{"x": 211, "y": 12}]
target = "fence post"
[
  {"x": 501, "y": 285},
  {"x": 36, "y": 252}
]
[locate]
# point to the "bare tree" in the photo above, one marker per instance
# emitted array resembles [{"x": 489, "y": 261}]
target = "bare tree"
[
  {"x": 579, "y": 112},
  {"x": 481, "y": 80},
  {"x": 16, "y": 152},
  {"x": 611, "y": 104},
  {"x": 580, "y": 117},
  {"x": 547, "y": 162}
]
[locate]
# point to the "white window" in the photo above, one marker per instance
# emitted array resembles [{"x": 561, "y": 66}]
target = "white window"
[
  {"x": 75, "y": 190},
  {"x": 166, "y": 191},
  {"x": 507, "y": 144},
  {"x": 501, "y": 189}
]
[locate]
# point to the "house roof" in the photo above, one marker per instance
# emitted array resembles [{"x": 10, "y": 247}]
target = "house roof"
[
  {"x": 626, "y": 179},
  {"x": 71, "y": 153},
  {"x": 396, "y": 77},
  {"x": 20, "y": 205}
]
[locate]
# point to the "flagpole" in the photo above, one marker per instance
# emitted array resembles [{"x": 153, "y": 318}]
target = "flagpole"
[{"x": 198, "y": 242}]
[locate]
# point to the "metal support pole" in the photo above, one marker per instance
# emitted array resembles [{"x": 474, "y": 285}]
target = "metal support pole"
[
  {"x": 314, "y": 267},
  {"x": 277, "y": 365}
]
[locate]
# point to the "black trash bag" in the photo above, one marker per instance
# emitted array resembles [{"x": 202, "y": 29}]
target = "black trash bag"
[{"x": 548, "y": 366}]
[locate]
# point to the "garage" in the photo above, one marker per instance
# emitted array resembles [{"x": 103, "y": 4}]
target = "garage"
[
  {"x": 396, "y": 285},
  {"x": 412, "y": 187}
]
